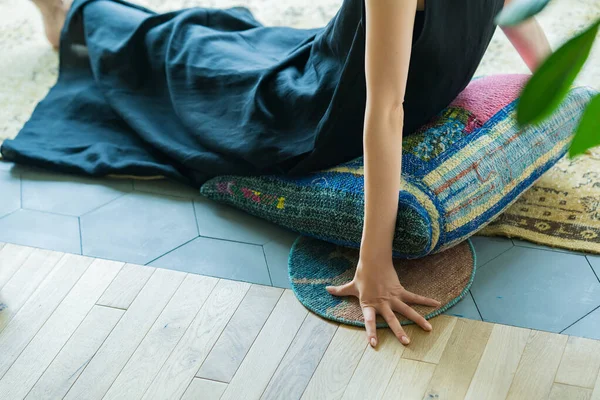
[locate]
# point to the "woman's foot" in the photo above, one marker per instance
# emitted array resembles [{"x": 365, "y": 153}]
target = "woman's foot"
[{"x": 54, "y": 13}]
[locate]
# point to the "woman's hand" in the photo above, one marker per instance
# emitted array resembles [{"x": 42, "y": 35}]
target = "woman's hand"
[{"x": 379, "y": 291}]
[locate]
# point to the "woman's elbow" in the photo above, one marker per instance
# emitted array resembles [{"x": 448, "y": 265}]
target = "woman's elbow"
[{"x": 385, "y": 112}]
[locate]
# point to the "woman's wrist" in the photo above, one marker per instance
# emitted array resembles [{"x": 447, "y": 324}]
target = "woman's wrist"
[{"x": 375, "y": 253}]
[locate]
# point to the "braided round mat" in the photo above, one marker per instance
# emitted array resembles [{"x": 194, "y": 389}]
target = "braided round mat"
[{"x": 314, "y": 264}]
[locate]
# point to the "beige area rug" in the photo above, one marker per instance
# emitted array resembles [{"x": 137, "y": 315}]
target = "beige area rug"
[{"x": 562, "y": 209}]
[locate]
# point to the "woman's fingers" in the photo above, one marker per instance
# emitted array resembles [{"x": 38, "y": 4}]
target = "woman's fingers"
[
  {"x": 394, "y": 324},
  {"x": 371, "y": 325},
  {"x": 411, "y": 314},
  {"x": 412, "y": 298},
  {"x": 347, "y": 289}
]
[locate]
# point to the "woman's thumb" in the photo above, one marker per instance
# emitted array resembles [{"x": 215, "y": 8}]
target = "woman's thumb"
[{"x": 342, "y": 290}]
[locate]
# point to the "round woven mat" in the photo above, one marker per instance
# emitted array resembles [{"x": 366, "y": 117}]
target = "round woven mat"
[{"x": 315, "y": 264}]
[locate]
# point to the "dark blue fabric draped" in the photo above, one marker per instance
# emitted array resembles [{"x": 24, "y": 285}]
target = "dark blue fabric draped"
[{"x": 202, "y": 92}]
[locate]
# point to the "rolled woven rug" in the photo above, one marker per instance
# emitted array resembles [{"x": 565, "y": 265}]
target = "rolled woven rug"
[{"x": 314, "y": 264}]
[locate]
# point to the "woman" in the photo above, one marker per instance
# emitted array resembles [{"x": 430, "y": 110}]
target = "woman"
[{"x": 204, "y": 92}]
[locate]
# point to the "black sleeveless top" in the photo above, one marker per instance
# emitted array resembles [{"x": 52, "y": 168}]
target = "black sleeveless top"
[
  {"x": 202, "y": 92},
  {"x": 449, "y": 41}
]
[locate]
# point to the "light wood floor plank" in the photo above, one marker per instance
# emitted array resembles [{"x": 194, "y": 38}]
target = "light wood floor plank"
[
  {"x": 375, "y": 368},
  {"x": 204, "y": 389},
  {"x": 429, "y": 346},
  {"x": 301, "y": 359},
  {"x": 57, "y": 330},
  {"x": 596, "y": 392},
  {"x": 176, "y": 326},
  {"x": 538, "y": 366},
  {"x": 74, "y": 356},
  {"x": 460, "y": 359},
  {"x": 338, "y": 364},
  {"x": 162, "y": 338},
  {"x": 126, "y": 286},
  {"x": 499, "y": 363},
  {"x": 42, "y": 303},
  {"x": 112, "y": 356},
  {"x": 239, "y": 334},
  {"x": 580, "y": 363},
  {"x": 24, "y": 282},
  {"x": 268, "y": 350},
  {"x": 566, "y": 392},
  {"x": 185, "y": 360},
  {"x": 409, "y": 381},
  {"x": 12, "y": 257}
]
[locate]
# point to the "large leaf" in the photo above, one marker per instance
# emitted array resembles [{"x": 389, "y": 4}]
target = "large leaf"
[
  {"x": 551, "y": 82},
  {"x": 518, "y": 11},
  {"x": 588, "y": 132}
]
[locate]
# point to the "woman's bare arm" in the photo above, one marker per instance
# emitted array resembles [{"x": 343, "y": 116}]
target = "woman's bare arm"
[
  {"x": 530, "y": 41},
  {"x": 389, "y": 30},
  {"x": 388, "y": 46}
]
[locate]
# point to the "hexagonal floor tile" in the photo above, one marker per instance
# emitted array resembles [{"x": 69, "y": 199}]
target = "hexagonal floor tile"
[
  {"x": 488, "y": 248},
  {"x": 39, "y": 229},
  {"x": 138, "y": 228},
  {"x": 588, "y": 326},
  {"x": 595, "y": 263},
  {"x": 277, "y": 252},
  {"x": 69, "y": 194},
  {"x": 526, "y": 243},
  {"x": 465, "y": 308},
  {"x": 536, "y": 289},
  {"x": 224, "y": 222},
  {"x": 219, "y": 258},
  {"x": 10, "y": 187},
  {"x": 166, "y": 187}
]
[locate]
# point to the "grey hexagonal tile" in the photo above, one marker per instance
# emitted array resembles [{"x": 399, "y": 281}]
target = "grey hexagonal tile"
[
  {"x": 219, "y": 258},
  {"x": 465, "y": 308},
  {"x": 39, "y": 229},
  {"x": 595, "y": 263},
  {"x": 277, "y": 252},
  {"x": 69, "y": 194},
  {"x": 138, "y": 227},
  {"x": 224, "y": 222},
  {"x": 588, "y": 326},
  {"x": 166, "y": 187},
  {"x": 531, "y": 245},
  {"x": 16, "y": 169},
  {"x": 10, "y": 187},
  {"x": 488, "y": 248},
  {"x": 536, "y": 289}
]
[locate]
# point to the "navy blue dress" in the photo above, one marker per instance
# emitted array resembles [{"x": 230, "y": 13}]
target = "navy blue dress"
[{"x": 202, "y": 92}]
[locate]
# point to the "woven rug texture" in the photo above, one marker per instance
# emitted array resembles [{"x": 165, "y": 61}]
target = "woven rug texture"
[{"x": 315, "y": 264}]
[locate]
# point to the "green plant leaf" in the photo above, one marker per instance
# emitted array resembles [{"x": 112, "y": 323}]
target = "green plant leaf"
[
  {"x": 588, "y": 132},
  {"x": 518, "y": 11},
  {"x": 553, "y": 79}
]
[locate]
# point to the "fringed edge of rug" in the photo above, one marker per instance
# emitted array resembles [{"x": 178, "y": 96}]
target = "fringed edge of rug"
[
  {"x": 434, "y": 313},
  {"x": 555, "y": 242}
]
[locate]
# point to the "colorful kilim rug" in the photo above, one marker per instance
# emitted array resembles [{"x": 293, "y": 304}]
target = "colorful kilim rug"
[
  {"x": 562, "y": 209},
  {"x": 314, "y": 264}
]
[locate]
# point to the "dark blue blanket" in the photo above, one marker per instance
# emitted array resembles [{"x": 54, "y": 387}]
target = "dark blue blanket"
[{"x": 198, "y": 93}]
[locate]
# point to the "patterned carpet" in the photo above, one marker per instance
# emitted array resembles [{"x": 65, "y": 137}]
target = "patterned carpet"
[{"x": 562, "y": 209}]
